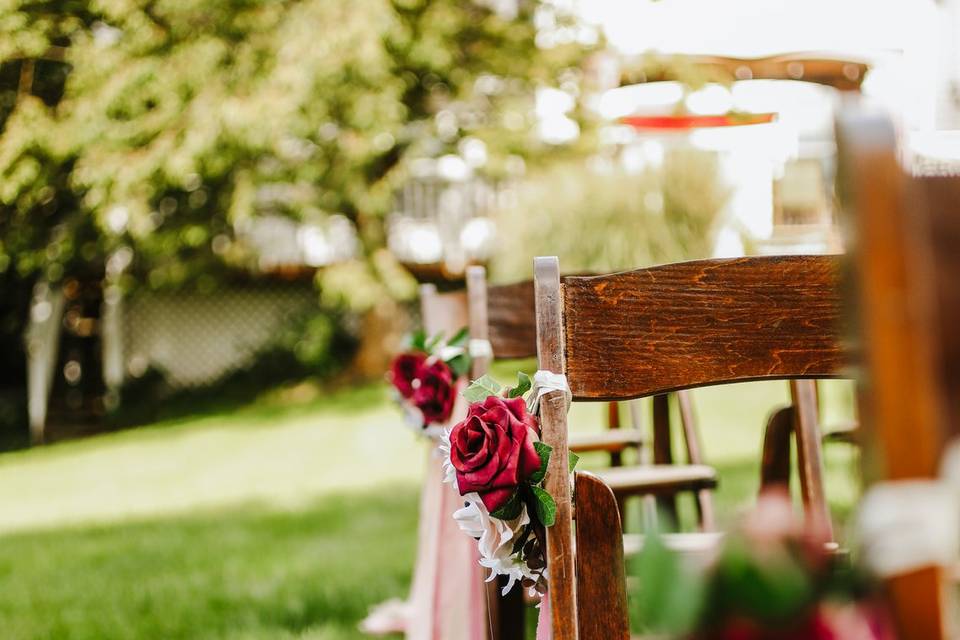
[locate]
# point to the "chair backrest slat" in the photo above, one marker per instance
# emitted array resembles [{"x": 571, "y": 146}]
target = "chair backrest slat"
[
  {"x": 510, "y": 309},
  {"x": 442, "y": 312},
  {"x": 553, "y": 431},
  {"x": 706, "y": 322}
]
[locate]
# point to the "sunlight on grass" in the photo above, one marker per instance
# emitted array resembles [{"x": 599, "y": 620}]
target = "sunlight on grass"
[
  {"x": 267, "y": 452},
  {"x": 287, "y": 518}
]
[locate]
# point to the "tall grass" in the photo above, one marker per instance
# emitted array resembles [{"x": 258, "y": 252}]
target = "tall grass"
[{"x": 610, "y": 219}]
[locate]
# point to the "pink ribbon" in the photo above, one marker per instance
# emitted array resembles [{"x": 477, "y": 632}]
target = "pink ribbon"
[{"x": 544, "y": 628}]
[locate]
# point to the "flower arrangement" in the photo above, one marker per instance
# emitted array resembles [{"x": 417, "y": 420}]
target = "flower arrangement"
[
  {"x": 773, "y": 580},
  {"x": 496, "y": 461},
  {"x": 425, "y": 377}
]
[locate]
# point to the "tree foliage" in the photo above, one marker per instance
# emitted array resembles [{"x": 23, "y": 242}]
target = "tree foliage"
[
  {"x": 178, "y": 119},
  {"x": 163, "y": 125}
]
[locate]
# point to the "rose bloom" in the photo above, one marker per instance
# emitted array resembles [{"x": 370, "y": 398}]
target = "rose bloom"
[
  {"x": 403, "y": 371},
  {"x": 434, "y": 392},
  {"x": 492, "y": 449}
]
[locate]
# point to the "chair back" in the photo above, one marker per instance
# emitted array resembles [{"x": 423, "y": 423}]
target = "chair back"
[
  {"x": 442, "y": 312},
  {"x": 650, "y": 331},
  {"x": 707, "y": 322},
  {"x": 906, "y": 267}
]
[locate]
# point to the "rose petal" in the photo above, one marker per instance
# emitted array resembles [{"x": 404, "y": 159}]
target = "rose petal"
[
  {"x": 403, "y": 371},
  {"x": 496, "y": 498}
]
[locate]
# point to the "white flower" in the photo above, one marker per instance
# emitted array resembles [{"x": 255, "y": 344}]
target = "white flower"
[
  {"x": 412, "y": 417},
  {"x": 448, "y": 353},
  {"x": 449, "y": 472},
  {"x": 495, "y": 538},
  {"x": 510, "y": 566}
]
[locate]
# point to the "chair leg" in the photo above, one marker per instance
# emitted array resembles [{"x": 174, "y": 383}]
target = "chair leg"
[
  {"x": 601, "y": 576},
  {"x": 613, "y": 422},
  {"x": 507, "y": 613},
  {"x": 775, "y": 466},
  {"x": 691, "y": 436},
  {"x": 644, "y": 457},
  {"x": 663, "y": 450},
  {"x": 810, "y": 456}
]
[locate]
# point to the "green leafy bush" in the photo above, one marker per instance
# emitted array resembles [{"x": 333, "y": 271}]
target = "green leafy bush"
[{"x": 612, "y": 219}]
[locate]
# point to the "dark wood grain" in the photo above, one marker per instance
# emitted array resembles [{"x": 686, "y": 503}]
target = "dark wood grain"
[
  {"x": 903, "y": 413},
  {"x": 691, "y": 324},
  {"x": 601, "y": 580},
  {"x": 511, "y": 313},
  {"x": 511, "y": 309},
  {"x": 553, "y": 424}
]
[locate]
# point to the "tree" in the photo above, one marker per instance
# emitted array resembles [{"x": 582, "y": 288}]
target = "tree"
[{"x": 162, "y": 125}]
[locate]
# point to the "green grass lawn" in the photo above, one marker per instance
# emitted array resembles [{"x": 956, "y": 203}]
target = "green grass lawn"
[{"x": 286, "y": 518}]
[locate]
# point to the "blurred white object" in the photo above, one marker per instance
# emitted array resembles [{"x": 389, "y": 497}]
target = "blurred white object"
[
  {"x": 934, "y": 152},
  {"x": 279, "y": 241},
  {"x": 43, "y": 339},
  {"x": 441, "y": 219}
]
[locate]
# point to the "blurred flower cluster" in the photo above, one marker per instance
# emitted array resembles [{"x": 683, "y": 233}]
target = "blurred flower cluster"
[{"x": 774, "y": 579}]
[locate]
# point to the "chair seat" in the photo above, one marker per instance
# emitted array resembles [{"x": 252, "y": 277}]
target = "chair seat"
[
  {"x": 658, "y": 478},
  {"x": 609, "y": 440},
  {"x": 848, "y": 432}
]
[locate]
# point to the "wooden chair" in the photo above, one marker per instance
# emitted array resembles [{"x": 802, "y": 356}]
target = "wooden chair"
[
  {"x": 444, "y": 313},
  {"x": 907, "y": 240},
  {"x": 663, "y": 329},
  {"x": 447, "y": 313},
  {"x": 505, "y": 317}
]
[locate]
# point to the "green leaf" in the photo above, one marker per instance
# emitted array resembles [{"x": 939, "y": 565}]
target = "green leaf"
[
  {"x": 510, "y": 509},
  {"x": 433, "y": 342},
  {"x": 459, "y": 338},
  {"x": 545, "y": 506},
  {"x": 669, "y": 597},
  {"x": 481, "y": 389},
  {"x": 419, "y": 340},
  {"x": 460, "y": 365},
  {"x": 573, "y": 460},
  {"x": 523, "y": 385},
  {"x": 543, "y": 450}
]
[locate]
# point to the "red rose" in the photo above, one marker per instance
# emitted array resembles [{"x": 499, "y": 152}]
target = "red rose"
[
  {"x": 434, "y": 393},
  {"x": 403, "y": 371},
  {"x": 492, "y": 449}
]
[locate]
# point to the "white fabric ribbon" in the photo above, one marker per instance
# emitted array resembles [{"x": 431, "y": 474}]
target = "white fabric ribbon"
[
  {"x": 909, "y": 524},
  {"x": 448, "y": 353},
  {"x": 480, "y": 348},
  {"x": 543, "y": 383}
]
